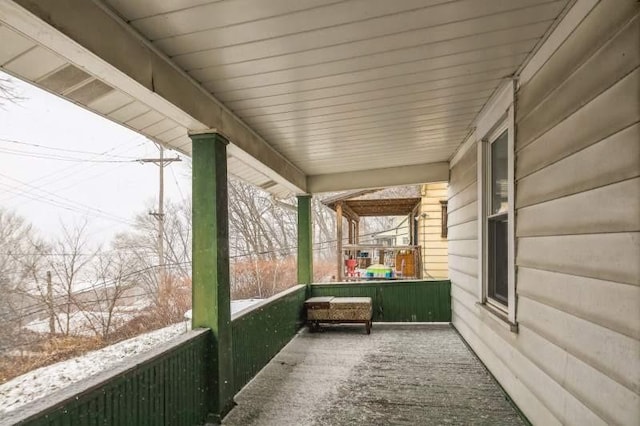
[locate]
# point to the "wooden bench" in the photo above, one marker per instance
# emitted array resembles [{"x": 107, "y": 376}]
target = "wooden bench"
[{"x": 338, "y": 310}]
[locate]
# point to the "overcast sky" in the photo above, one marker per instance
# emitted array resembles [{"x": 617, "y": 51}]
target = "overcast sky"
[{"x": 55, "y": 182}]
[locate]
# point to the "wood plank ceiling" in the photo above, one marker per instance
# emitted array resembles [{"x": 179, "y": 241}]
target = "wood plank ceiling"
[
  {"x": 348, "y": 85},
  {"x": 333, "y": 85}
]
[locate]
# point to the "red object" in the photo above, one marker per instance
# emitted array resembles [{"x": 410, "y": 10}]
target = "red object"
[{"x": 351, "y": 267}]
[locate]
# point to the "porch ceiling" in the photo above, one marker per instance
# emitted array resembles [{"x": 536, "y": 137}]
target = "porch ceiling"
[{"x": 324, "y": 86}]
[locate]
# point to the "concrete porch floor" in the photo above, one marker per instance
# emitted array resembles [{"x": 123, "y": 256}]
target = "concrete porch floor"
[{"x": 398, "y": 375}]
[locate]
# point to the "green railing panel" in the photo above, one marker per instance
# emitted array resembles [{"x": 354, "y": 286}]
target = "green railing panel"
[
  {"x": 260, "y": 332},
  {"x": 164, "y": 387},
  {"x": 397, "y": 301}
]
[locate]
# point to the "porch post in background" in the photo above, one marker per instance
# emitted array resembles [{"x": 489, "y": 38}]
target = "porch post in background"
[
  {"x": 210, "y": 267},
  {"x": 305, "y": 240},
  {"x": 340, "y": 260}
]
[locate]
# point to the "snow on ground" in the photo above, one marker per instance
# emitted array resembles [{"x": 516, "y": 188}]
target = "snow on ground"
[
  {"x": 83, "y": 323},
  {"x": 45, "y": 380}
]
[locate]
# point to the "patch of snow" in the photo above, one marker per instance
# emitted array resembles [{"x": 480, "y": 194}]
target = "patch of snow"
[
  {"x": 45, "y": 380},
  {"x": 236, "y": 306},
  {"x": 83, "y": 323}
]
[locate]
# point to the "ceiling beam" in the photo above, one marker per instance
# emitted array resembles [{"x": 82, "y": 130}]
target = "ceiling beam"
[
  {"x": 379, "y": 178},
  {"x": 93, "y": 38}
]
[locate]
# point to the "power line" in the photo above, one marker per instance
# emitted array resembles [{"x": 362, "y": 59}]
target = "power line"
[
  {"x": 68, "y": 207},
  {"x": 77, "y": 169},
  {"x": 59, "y": 157},
  {"x": 75, "y": 151}
]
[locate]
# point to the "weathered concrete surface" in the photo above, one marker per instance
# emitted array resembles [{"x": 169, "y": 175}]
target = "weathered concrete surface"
[{"x": 398, "y": 375}]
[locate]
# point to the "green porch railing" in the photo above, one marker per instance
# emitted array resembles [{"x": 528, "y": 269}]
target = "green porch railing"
[
  {"x": 166, "y": 386},
  {"x": 398, "y": 301},
  {"x": 259, "y": 332}
]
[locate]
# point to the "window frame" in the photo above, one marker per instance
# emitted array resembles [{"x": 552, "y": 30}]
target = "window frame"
[{"x": 491, "y": 129}]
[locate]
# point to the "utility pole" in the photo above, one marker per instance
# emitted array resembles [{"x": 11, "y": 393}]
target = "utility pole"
[
  {"x": 161, "y": 162},
  {"x": 52, "y": 324}
]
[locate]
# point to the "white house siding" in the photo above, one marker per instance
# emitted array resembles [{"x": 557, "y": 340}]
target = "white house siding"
[
  {"x": 576, "y": 356},
  {"x": 434, "y": 247}
]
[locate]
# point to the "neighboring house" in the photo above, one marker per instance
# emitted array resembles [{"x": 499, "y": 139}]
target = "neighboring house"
[
  {"x": 431, "y": 235},
  {"x": 397, "y": 236}
]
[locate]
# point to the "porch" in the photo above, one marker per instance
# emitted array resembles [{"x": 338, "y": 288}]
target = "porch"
[
  {"x": 402, "y": 373},
  {"x": 528, "y": 109},
  {"x": 412, "y": 374}
]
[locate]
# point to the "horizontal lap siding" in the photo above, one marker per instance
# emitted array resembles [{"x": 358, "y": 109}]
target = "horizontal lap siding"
[
  {"x": 578, "y": 218},
  {"x": 462, "y": 223},
  {"x": 576, "y": 357},
  {"x": 434, "y": 246}
]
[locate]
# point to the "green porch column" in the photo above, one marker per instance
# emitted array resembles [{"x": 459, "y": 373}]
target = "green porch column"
[
  {"x": 210, "y": 268},
  {"x": 305, "y": 240}
]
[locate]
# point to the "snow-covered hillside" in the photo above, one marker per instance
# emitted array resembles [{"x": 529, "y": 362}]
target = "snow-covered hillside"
[{"x": 46, "y": 380}]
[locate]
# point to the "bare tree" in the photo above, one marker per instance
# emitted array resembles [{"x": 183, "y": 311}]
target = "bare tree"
[
  {"x": 15, "y": 236},
  {"x": 70, "y": 260},
  {"x": 142, "y": 249},
  {"x": 101, "y": 304},
  {"x": 8, "y": 93}
]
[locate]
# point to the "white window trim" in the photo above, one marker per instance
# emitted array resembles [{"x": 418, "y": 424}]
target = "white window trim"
[{"x": 498, "y": 117}]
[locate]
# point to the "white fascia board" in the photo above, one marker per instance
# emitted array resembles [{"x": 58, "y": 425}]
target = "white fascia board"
[
  {"x": 468, "y": 142},
  {"x": 379, "y": 178},
  {"x": 93, "y": 38},
  {"x": 576, "y": 13},
  {"x": 496, "y": 110},
  {"x": 493, "y": 112}
]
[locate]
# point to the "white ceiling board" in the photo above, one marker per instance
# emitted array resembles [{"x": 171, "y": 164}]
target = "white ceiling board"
[
  {"x": 13, "y": 44},
  {"x": 300, "y": 27},
  {"x": 306, "y": 78},
  {"x": 84, "y": 94},
  {"x": 333, "y": 96},
  {"x": 408, "y": 139},
  {"x": 347, "y": 58},
  {"x": 160, "y": 127},
  {"x": 281, "y": 94},
  {"x": 110, "y": 102},
  {"x": 221, "y": 14},
  {"x": 381, "y": 106},
  {"x": 374, "y": 35},
  {"x": 426, "y": 129},
  {"x": 129, "y": 111},
  {"x": 170, "y": 135},
  {"x": 145, "y": 120},
  {"x": 323, "y": 86},
  {"x": 293, "y": 137},
  {"x": 34, "y": 63},
  {"x": 138, "y": 9},
  {"x": 395, "y": 119}
]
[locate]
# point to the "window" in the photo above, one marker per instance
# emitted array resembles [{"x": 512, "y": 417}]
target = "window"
[
  {"x": 498, "y": 221},
  {"x": 496, "y": 227}
]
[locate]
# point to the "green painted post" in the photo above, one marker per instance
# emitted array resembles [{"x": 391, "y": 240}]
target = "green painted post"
[
  {"x": 210, "y": 268},
  {"x": 305, "y": 240}
]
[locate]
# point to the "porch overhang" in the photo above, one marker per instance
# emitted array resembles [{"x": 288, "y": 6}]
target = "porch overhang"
[
  {"x": 75, "y": 30},
  {"x": 314, "y": 96}
]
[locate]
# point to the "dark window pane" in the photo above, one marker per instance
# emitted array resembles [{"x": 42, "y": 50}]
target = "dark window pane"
[
  {"x": 498, "y": 265},
  {"x": 499, "y": 165}
]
